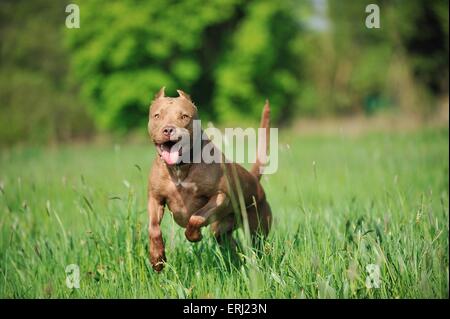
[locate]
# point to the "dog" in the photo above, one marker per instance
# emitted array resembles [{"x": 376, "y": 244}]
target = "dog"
[{"x": 198, "y": 193}]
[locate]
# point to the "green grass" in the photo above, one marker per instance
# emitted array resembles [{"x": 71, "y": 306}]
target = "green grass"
[{"x": 340, "y": 203}]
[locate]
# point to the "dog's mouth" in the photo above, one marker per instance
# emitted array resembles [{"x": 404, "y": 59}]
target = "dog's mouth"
[{"x": 170, "y": 152}]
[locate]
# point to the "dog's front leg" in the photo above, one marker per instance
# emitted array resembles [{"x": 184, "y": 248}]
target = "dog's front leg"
[
  {"x": 214, "y": 209},
  {"x": 157, "y": 254}
]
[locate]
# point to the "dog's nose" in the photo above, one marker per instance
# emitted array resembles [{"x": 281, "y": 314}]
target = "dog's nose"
[{"x": 168, "y": 130}]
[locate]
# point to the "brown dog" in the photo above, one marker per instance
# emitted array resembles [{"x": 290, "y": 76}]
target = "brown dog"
[{"x": 198, "y": 193}]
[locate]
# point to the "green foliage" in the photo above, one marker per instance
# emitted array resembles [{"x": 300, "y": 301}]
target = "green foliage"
[
  {"x": 258, "y": 63},
  {"x": 424, "y": 33},
  {"x": 231, "y": 55},
  {"x": 382, "y": 199},
  {"x": 37, "y": 101},
  {"x": 352, "y": 68},
  {"x": 126, "y": 50},
  {"x": 228, "y": 54}
]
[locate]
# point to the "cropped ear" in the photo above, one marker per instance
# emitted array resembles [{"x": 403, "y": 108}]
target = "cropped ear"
[
  {"x": 184, "y": 95},
  {"x": 160, "y": 93}
]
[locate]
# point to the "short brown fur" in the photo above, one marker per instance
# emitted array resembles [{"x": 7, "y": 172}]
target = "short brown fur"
[{"x": 198, "y": 194}]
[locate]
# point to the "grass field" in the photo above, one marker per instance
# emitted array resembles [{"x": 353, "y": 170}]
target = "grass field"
[{"x": 340, "y": 203}]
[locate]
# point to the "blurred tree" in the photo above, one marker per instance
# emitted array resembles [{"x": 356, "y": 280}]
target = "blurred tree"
[
  {"x": 313, "y": 57},
  {"x": 352, "y": 68},
  {"x": 424, "y": 33},
  {"x": 126, "y": 50},
  {"x": 260, "y": 63},
  {"x": 228, "y": 54}
]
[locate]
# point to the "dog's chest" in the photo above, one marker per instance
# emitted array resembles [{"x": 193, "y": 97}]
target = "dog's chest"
[{"x": 183, "y": 199}]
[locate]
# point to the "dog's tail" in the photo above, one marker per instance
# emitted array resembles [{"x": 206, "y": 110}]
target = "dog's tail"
[{"x": 263, "y": 146}]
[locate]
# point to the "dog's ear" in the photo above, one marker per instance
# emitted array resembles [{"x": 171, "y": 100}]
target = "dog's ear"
[
  {"x": 184, "y": 95},
  {"x": 160, "y": 93}
]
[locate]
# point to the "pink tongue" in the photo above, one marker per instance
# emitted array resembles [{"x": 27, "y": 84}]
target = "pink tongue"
[{"x": 170, "y": 157}]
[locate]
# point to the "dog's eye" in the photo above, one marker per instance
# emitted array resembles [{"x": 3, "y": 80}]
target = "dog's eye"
[
  {"x": 184, "y": 116},
  {"x": 156, "y": 116}
]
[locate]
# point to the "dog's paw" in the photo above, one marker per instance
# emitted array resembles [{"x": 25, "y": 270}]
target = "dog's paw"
[
  {"x": 193, "y": 229},
  {"x": 196, "y": 221},
  {"x": 193, "y": 234},
  {"x": 158, "y": 261}
]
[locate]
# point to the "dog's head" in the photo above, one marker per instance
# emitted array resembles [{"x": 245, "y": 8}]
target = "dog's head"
[{"x": 171, "y": 123}]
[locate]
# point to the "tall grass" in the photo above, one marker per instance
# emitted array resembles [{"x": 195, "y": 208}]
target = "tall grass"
[{"x": 340, "y": 203}]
